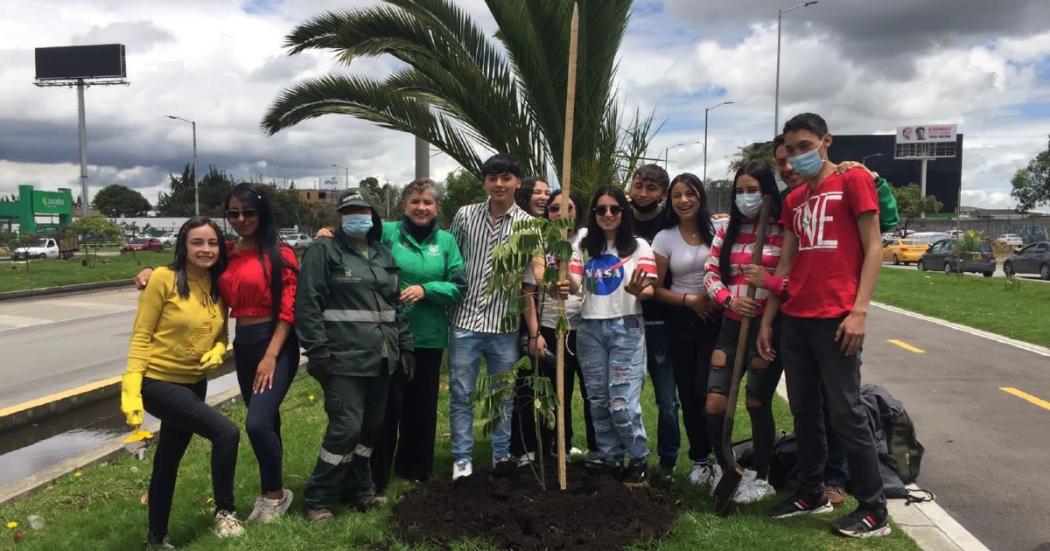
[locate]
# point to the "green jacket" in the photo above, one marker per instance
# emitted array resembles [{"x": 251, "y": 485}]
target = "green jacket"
[
  {"x": 437, "y": 266},
  {"x": 348, "y": 308},
  {"x": 888, "y": 217}
]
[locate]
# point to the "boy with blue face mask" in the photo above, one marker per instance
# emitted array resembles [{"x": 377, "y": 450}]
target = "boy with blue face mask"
[{"x": 832, "y": 250}]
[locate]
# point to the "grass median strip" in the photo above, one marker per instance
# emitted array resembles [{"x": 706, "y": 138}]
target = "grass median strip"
[
  {"x": 104, "y": 507},
  {"x": 40, "y": 274},
  {"x": 982, "y": 303}
]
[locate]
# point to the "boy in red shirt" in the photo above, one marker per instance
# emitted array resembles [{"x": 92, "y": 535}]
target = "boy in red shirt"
[{"x": 832, "y": 249}]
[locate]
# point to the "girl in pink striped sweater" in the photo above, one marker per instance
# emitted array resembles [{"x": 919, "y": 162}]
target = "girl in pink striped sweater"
[{"x": 724, "y": 281}]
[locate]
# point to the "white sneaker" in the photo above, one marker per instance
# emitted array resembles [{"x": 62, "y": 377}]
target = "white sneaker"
[
  {"x": 763, "y": 489},
  {"x": 266, "y": 509},
  {"x": 702, "y": 474},
  {"x": 574, "y": 451},
  {"x": 526, "y": 459},
  {"x": 716, "y": 476},
  {"x": 227, "y": 525},
  {"x": 462, "y": 468}
]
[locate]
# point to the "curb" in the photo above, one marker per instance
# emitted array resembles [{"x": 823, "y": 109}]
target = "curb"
[
  {"x": 62, "y": 289},
  {"x": 112, "y": 449},
  {"x": 23, "y": 414}
]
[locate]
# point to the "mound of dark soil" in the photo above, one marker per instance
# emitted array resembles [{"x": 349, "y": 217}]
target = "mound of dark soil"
[{"x": 595, "y": 512}]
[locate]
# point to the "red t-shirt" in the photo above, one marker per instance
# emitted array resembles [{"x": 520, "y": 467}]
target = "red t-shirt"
[
  {"x": 824, "y": 278},
  {"x": 245, "y": 285}
]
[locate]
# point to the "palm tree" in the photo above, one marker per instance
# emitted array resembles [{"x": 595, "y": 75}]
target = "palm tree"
[
  {"x": 461, "y": 89},
  {"x": 754, "y": 152}
]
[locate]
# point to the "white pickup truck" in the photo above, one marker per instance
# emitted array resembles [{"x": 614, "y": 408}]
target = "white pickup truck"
[{"x": 46, "y": 247}]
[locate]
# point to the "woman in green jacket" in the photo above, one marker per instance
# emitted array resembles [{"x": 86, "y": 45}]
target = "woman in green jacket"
[
  {"x": 350, "y": 322},
  {"x": 432, "y": 278}
]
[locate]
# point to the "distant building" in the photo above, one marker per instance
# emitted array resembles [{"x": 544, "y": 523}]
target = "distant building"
[{"x": 320, "y": 196}]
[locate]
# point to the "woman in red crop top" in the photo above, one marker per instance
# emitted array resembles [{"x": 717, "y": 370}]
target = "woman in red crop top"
[{"x": 259, "y": 286}]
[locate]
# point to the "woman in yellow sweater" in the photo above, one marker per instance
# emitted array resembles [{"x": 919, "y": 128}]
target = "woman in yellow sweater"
[{"x": 179, "y": 336}]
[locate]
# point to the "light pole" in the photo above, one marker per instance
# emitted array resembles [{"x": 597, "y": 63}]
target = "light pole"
[
  {"x": 666, "y": 149},
  {"x": 346, "y": 179},
  {"x": 864, "y": 159},
  {"x": 704, "y": 179},
  {"x": 196, "y": 195},
  {"x": 776, "y": 96}
]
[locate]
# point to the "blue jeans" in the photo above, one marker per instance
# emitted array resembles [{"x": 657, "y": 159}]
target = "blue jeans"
[
  {"x": 661, "y": 371},
  {"x": 465, "y": 350},
  {"x": 612, "y": 357}
]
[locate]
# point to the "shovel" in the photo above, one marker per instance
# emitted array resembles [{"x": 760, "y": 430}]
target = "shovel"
[
  {"x": 138, "y": 442},
  {"x": 731, "y": 478}
]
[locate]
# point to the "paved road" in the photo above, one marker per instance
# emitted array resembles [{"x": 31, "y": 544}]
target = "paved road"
[
  {"x": 57, "y": 343},
  {"x": 986, "y": 450}
]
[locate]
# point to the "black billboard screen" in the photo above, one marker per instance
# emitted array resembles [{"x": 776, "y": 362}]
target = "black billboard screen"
[{"x": 75, "y": 62}]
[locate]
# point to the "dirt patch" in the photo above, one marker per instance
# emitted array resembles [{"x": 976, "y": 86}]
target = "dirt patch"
[{"x": 595, "y": 512}]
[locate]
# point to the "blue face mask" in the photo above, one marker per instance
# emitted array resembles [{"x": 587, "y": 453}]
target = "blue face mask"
[
  {"x": 808, "y": 164},
  {"x": 749, "y": 203},
  {"x": 357, "y": 225}
]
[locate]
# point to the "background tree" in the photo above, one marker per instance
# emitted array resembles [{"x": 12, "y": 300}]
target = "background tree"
[
  {"x": 371, "y": 186},
  {"x": 719, "y": 194},
  {"x": 214, "y": 187},
  {"x": 459, "y": 89},
  {"x": 94, "y": 229},
  {"x": 911, "y": 204},
  {"x": 1031, "y": 184},
  {"x": 116, "y": 201},
  {"x": 460, "y": 188},
  {"x": 754, "y": 152}
]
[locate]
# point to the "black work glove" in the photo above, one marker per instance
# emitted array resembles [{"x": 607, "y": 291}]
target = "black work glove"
[
  {"x": 318, "y": 368},
  {"x": 408, "y": 364}
]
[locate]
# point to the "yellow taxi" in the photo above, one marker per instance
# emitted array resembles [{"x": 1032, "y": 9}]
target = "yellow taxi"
[{"x": 903, "y": 251}]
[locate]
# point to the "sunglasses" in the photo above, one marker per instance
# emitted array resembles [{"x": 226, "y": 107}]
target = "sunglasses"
[
  {"x": 235, "y": 214},
  {"x": 603, "y": 210}
]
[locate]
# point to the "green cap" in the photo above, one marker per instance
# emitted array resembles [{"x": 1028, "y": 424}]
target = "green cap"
[{"x": 355, "y": 197}]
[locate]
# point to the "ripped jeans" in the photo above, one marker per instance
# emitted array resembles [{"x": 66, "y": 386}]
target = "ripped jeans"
[{"x": 612, "y": 358}]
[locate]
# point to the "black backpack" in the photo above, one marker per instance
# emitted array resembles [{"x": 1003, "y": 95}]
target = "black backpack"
[
  {"x": 783, "y": 463},
  {"x": 905, "y": 451}
]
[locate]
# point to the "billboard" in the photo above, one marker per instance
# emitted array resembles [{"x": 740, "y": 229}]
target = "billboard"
[
  {"x": 80, "y": 62},
  {"x": 52, "y": 202},
  {"x": 926, "y": 133}
]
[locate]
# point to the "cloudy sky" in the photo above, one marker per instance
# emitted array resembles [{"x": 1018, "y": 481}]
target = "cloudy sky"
[{"x": 867, "y": 66}]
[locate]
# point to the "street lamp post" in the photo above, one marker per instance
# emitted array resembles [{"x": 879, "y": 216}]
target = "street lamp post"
[
  {"x": 346, "y": 179},
  {"x": 196, "y": 195},
  {"x": 864, "y": 159},
  {"x": 669, "y": 148},
  {"x": 706, "y": 110},
  {"x": 776, "y": 96}
]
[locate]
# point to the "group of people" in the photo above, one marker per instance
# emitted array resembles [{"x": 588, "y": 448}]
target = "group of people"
[{"x": 652, "y": 287}]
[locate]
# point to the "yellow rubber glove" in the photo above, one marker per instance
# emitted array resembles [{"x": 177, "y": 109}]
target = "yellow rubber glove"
[
  {"x": 131, "y": 398},
  {"x": 213, "y": 358}
]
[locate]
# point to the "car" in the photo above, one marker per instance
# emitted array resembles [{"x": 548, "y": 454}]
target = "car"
[
  {"x": 942, "y": 256},
  {"x": 928, "y": 237},
  {"x": 903, "y": 251},
  {"x": 49, "y": 247},
  {"x": 1011, "y": 240},
  {"x": 1033, "y": 259},
  {"x": 142, "y": 244},
  {"x": 168, "y": 239},
  {"x": 297, "y": 240}
]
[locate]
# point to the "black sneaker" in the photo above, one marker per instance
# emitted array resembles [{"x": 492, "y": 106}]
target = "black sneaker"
[
  {"x": 862, "y": 523},
  {"x": 636, "y": 474},
  {"x": 800, "y": 504},
  {"x": 504, "y": 467}
]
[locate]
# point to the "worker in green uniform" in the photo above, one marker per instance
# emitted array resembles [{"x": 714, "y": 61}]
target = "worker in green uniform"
[{"x": 350, "y": 322}]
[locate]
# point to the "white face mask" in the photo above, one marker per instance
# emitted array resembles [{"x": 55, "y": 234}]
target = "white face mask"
[{"x": 749, "y": 203}]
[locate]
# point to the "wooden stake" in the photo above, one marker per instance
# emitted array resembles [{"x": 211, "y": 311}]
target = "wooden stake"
[{"x": 563, "y": 266}]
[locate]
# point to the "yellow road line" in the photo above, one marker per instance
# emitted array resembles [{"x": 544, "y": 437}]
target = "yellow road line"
[
  {"x": 906, "y": 346},
  {"x": 58, "y": 396},
  {"x": 1026, "y": 397}
]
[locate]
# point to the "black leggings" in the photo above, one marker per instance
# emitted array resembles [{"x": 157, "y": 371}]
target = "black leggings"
[
  {"x": 263, "y": 422},
  {"x": 183, "y": 413},
  {"x": 690, "y": 341},
  {"x": 410, "y": 423}
]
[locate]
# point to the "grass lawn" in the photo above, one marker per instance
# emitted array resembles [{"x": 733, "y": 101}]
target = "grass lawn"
[
  {"x": 982, "y": 303},
  {"x": 15, "y": 276},
  {"x": 101, "y": 507}
]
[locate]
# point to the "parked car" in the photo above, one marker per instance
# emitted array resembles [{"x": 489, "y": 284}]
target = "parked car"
[
  {"x": 928, "y": 237},
  {"x": 48, "y": 247},
  {"x": 1033, "y": 259},
  {"x": 942, "y": 256},
  {"x": 142, "y": 244},
  {"x": 1011, "y": 240},
  {"x": 297, "y": 240},
  {"x": 168, "y": 239},
  {"x": 903, "y": 251}
]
